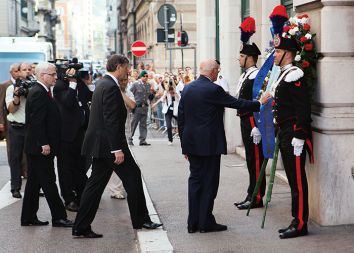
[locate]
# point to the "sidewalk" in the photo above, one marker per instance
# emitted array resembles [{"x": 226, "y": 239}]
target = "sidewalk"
[{"x": 166, "y": 173}]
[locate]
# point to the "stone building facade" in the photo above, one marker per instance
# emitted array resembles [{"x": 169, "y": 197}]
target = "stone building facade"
[
  {"x": 137, "y": 20},
  {"x": 17, "y": 18},
  {"x": 331, "y": 178}
]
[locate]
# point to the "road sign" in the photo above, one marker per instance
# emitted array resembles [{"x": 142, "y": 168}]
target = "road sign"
[
  {"x": 171, "y": 15},
  {"x": 161, "y": 35},
  {"x": 182, "y": 39},
  {"x": 138, "y": 48}
]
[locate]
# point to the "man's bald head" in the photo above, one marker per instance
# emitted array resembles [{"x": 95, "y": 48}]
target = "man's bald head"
[{"x": 209, "y": 68}]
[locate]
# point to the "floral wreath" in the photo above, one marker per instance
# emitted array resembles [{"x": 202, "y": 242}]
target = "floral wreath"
[{"x": 297, "y": 27}]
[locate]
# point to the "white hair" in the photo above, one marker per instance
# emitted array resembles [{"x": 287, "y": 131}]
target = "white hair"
[
  {"x": 14, "y": 66},
  {"x": 43, "y": 67}
]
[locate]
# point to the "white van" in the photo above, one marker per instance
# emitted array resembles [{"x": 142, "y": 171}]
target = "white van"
[{"x": 22, "y": 49}]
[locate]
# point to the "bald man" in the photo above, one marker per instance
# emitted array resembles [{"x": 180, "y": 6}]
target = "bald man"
[{"x": 201, "y": 129}]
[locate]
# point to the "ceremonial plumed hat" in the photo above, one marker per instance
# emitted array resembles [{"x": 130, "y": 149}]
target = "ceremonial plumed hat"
[
  {"x": 248, "y": 28},
  {"x": 289, "y": 44}
]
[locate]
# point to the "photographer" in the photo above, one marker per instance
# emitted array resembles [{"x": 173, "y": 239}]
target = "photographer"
[
  {"x": 16, "y": 105},
  {"x": 170, "y": 101},
  {"x": 72, "y": 95}
]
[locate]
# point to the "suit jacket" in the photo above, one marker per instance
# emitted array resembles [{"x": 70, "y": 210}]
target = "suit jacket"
[
  {"x": 3, "y": 111},
  {"x": 106, "y": 128},
  {"x": 200, "y": 117},
  {"x": 43, "y": 122},
  {"x": 73, "y": 107}
]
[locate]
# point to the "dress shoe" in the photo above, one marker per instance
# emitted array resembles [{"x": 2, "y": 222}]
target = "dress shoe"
[
  {"x": 34, "y": 223},
  {"x": 292, "y": 232},
  {"x": 282, "y": 230},
  {"x": 88, "y": 234},
  {"x": 118, "y": 195},
  {"x": 16, "y": 194},
  {"x": 144, "y": 144},
  {"x": 242, "y": 202},
  {"x": 151, "y": 225},
  {"x": 192, "y": 229},
  {"x": 62, "y": 223},
  {"x": 215, "y": 228},
  {"x": 72, "y": 207},
  {"x": 245, "y": 205}
]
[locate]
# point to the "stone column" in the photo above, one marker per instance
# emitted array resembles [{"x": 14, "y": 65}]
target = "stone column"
[
  {"x": 331, "y": 184},
  {"x": 230, "y": 20},
  {"x": 205, "y": 29}
]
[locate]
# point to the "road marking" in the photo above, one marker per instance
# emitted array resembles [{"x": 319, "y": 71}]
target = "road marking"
[
  {"x": 6, "y": 198},
  {"x": 155, "y": 240}
]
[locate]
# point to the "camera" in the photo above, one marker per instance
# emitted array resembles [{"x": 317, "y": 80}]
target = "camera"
[
  {"x": 63, "y": 65},
  {"x": 24, "y": 86}
]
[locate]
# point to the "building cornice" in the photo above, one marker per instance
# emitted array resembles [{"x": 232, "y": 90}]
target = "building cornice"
[{"x": 317, "y": 4}]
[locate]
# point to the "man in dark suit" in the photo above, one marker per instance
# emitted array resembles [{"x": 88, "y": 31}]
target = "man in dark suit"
[
  {"x": 105, "y": 141},
  {"x": 201, "y": 128},
  {"x": 73, "y": 97},
  {"x": 41, "y": 145}
]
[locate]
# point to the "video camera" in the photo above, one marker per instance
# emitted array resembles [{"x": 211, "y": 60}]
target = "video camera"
[
  {"x": 24, "y": 86},
  {"x": 63, "y": 65}
]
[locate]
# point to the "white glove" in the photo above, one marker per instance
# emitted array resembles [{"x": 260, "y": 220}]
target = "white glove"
[
  {"x": 256, "y": 134},
  {"x": 298, "y": 145}
]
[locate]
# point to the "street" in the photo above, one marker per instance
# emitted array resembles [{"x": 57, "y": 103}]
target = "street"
[{"x": 165, "y": 173}]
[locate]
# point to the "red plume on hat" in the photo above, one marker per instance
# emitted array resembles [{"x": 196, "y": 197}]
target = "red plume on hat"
[
  {"x": 248, "y": 28},
  {"x": 278, "y": 17}
]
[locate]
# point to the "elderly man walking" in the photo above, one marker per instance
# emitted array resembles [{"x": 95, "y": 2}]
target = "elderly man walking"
[
  {"x": 201, "y": 127},
  {"x": 41, "y": 145}
]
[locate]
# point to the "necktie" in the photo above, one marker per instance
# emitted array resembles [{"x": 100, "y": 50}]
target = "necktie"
[{"x": 50, "y": 93}]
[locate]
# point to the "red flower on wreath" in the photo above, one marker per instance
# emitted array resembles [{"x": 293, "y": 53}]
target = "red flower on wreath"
[
  {"x": 308, "y": 47},
  {"x": 305, "y": 64},
  {"x": 303, "y": 16},
  {"x": 286, "y": 29},
  {"x": 303, "y": 39},
  {"x": 307, "y": 27}
]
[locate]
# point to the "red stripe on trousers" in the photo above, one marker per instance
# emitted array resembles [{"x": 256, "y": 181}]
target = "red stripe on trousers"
[
  {"x": 256, "y": 153},
  {"x": 301, "y": 195}
]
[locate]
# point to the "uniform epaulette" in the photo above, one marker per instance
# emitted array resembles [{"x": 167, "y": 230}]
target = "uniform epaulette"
[
  {"x": 253, "y": 74},
  {"x": 294, "y": 75}
]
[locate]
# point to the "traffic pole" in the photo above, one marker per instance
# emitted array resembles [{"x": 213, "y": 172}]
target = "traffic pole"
[{"x": 181, "y": 17}]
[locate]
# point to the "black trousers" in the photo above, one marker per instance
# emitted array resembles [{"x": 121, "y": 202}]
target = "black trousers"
[
  {"x": 295, "y": 171},
  {"x": 203, "y": 184},
  {"x": 168, "y": 117},
  {"x": 17, "y": 139},
  {"x": 254, "y": 157},
  {"x": 72, "y": 169},
  {"x": 130, "y": 175},
  {"x": 41, "y": 175}
]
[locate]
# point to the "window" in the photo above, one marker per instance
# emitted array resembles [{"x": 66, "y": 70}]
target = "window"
[
  {"x": 245, "y": 9},
  {"x": 24, "y": 10},
  {"x": 289, "y": 7}
]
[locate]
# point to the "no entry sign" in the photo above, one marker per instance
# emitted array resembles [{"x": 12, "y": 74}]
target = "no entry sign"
[{"x": 138, "y": 48}]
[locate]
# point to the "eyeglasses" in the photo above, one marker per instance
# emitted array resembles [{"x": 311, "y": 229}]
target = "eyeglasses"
[
  {"x": 146, "y": 76},
  {"x": 51, "y": 74}
]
